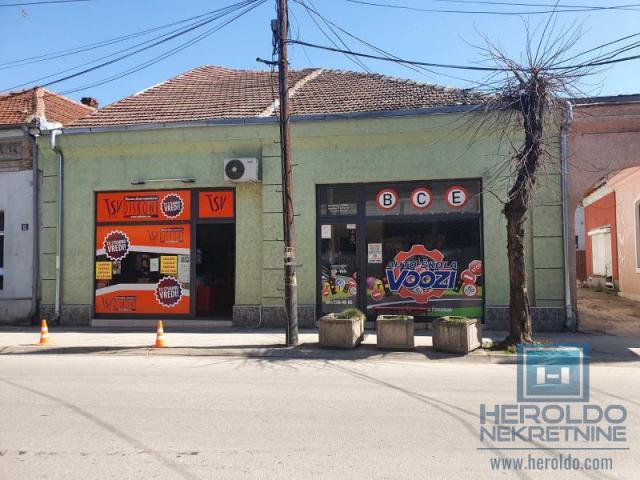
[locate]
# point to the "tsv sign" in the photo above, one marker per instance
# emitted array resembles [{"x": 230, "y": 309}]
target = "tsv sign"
[{"x": 421, "y": 274}]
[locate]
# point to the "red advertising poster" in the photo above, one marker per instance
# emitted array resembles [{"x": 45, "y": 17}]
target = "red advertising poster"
[
  {"x": 143, "y": 206},
  {"x": 216, "y": 204},
  {"x": 150, "y": 271}
]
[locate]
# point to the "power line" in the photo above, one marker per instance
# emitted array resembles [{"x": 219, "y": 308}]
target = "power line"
[
  {"x": 252, "y": 5},
  {"x": 632, "y": 7},
  {"x": 398, "y": 60},
  {"x": 458, "y": 67},
  {"x": 96, "y": 45},
  {"x": 416, "y": 68},
  {"x": 148, "y": 44},
  {"x": 313, "y": 14},
  {"x": 553, "y": 5},
  {"x": 44, "y": 2}
]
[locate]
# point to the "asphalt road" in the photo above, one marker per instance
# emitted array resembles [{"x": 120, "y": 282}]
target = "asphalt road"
[{"x": 106, "y": 416}]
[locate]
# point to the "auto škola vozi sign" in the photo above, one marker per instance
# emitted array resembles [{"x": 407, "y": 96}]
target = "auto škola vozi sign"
[{"x": 428, "y": 267}]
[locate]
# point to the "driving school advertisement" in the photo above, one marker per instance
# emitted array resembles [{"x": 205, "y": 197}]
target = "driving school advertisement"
[
  {"x": 423, "y": 282},
  {"x": 143, "y": 206},
  {"x": 142, "y": 269}
]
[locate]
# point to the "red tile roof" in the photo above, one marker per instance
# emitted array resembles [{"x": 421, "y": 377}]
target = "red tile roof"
[
  {"x": 23, "y": 107},
  {"x": 209, "y": 93}
]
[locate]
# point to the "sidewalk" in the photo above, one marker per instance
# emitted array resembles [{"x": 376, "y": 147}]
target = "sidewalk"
[
  {"x": 270, "y": 343},
  {"x": 606, "y": 312}
]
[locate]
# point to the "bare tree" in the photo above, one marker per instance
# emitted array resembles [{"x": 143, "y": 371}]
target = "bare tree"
[{"x": 529, "y": 97}]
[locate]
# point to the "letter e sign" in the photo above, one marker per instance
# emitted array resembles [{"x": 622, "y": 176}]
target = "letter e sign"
[
  {"x": 216, "y": 204},
  {"x": 456, "y": 197},
  {"x": 387, "y": 199}
]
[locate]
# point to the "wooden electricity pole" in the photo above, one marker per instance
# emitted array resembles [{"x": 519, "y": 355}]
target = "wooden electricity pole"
[{"x": 290, "y": 282}]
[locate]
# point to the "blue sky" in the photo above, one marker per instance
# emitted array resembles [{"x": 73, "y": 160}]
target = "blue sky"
[{"x": 426, "y": 36}]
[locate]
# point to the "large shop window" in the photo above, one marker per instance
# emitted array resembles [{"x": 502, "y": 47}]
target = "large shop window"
[
  {"x": 411, "y": 247},
  {"x": 143, "y": 266},
  {"x": 153, "y": 249},
  {"x": 1, "y": 250}
]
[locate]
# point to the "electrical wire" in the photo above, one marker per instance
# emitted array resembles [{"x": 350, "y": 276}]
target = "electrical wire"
[
  {"x": 253, "y": 4},
  {"x": 44, "y": 2},
  {"x": 458, "y": 67},
  {"x": 147, "y": 45},
  {"x": 398, "y": 60},
  {"x": 96, "y": 45},
  {"x": 632, "y": 7}
]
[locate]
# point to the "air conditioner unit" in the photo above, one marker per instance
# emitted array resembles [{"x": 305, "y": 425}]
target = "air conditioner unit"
[{"x": 241, "y": 170}]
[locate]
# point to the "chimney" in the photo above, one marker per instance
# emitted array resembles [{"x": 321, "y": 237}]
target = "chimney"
[{"x": 89, "y": 102}]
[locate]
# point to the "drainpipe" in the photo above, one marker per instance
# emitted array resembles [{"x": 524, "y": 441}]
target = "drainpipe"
[
  {"x": 35, "y": 225},
  {"x": 60, "y": 163},
  {"x": 571, "y": 321}
]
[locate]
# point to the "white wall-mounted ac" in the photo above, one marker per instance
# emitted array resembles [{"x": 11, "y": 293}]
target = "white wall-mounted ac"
[{"x": 240, "y": 170}]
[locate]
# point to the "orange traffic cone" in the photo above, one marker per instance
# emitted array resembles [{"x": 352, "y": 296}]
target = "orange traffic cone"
[
  {"x": 159, "y": 336},
  {"x": 44, "y": 333}
]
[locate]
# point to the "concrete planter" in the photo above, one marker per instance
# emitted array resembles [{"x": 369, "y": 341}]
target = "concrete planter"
[
  {"x": 457, "y": 335},
  {"x": 395, "y": 332},
  {"x": 337, "y": 332}
]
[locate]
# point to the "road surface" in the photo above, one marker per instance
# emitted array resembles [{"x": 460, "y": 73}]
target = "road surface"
[{"x": 106, "y": 416}]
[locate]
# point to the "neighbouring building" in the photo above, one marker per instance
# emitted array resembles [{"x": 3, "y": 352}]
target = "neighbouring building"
[
  {"x": 22, "y": 117},
  {"x": 603, "y": 142},
  {"x": 172, "y": 205},
  {"x": 612, "y": 224}
]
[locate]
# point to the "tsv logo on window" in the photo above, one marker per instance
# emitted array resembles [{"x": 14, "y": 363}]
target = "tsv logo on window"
[{"x": 553, "y": 373}]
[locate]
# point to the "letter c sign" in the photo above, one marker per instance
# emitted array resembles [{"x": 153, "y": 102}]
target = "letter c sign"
[
  {"x": 421, "y": 198},
  {"x": 387, "y": 199}
]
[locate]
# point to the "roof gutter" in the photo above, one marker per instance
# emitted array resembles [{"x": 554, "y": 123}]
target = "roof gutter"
[
  {"x": 35, "y": 278},
  {"x": 60, "y": 163},
  {"x": 571, "y": 321},
  {"x": 273, "y": 120}
]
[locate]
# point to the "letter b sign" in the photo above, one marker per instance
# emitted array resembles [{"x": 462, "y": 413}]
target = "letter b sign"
[{"x": 387, "y": 199}]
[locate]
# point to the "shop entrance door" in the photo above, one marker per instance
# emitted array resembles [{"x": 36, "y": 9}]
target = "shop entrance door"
[
  {"x": 215, "y": 270},
  {"x": 338, "y": 267}
]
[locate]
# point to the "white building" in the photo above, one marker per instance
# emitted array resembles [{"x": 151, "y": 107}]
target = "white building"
[{"x": 22, "y": 116}]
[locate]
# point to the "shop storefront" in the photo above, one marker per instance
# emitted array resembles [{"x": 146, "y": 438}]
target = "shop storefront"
[
  {"x": 165, "y": 254},
  {"x": 406, "y": 247}
]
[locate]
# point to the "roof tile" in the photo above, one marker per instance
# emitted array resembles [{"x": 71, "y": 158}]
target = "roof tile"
[
  {"x": 23, "y": 107},
  {"x": 210, "y": 93}
]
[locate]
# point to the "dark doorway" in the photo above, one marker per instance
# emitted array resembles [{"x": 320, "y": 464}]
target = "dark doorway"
[{"x": 215, "y": 270}]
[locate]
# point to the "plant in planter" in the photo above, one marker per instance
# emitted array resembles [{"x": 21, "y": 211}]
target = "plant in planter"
[
  {"x": 457, "y": 334},
  {"x": 342, "y": 330},
  {"x": 395, "y": 332}
]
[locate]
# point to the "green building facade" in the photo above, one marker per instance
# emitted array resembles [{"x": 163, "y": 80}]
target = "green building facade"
[{"x": 430, "y": 149}]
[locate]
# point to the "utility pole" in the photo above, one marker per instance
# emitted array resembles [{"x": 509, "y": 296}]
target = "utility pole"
[{"x": 290, "y": 282}]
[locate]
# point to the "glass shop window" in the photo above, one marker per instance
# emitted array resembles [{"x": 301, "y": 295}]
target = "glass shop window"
[
  {"x": 423, "y": 198},
  {"x": 338, "y": 201},
  {"x": 398, "y": 254}
]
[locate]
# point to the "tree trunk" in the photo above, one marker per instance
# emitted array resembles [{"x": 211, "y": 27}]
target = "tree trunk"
[
  {"x": 531, "y": 107},
  {"x": 520, "y": 328}
]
